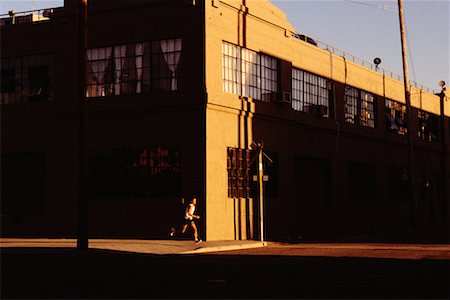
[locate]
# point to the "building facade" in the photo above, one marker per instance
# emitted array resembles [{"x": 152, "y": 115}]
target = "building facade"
[{"x": 177, "y": 92}]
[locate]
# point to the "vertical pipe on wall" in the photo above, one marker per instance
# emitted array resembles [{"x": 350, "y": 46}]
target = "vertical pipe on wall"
[
  {"x": 249, "y": 139},
  {"x": 204, "y": 121},
  {"x": 82, "y": 237},
  {"x": 333, "y": 96}
]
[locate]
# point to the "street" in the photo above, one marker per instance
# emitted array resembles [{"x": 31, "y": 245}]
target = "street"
[{"x": 276, "y": 271}]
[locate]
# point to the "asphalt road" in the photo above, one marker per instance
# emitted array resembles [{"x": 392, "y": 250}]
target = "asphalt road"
[{"x": 276, "y": 272}]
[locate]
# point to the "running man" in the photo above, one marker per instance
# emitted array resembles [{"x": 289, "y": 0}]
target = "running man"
[{"x": 189, "y": 220}]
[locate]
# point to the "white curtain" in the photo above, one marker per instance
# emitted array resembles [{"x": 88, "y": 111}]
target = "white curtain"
[
  {"x": 139, "y": 51},
  {"x": 171, "y": 50},
  {"x": 98, "y": 62},
  {"x": 250, "y": 74},
  {"x": 231, "y": 76},
  {"x": 90, "y": 80},
  {"x": 119, "y": 53}
]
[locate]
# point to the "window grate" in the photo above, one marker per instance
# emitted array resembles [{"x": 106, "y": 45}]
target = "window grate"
[{"x": 238, "y": 161}]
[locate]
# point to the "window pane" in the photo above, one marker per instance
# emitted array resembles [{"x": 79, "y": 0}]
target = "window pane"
[
  {"x": 130, "y": 173},
  {"x": 250, "y": 73},
  {"x": 310, "y": 93},
  {"x": 26, "y": 78}
]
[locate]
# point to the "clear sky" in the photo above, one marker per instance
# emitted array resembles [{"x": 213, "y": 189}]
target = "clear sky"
[
  {"x": 369, "y": 29},
  {"x": 364, "y": 28}
]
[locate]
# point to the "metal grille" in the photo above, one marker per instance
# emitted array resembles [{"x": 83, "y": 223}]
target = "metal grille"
[{"x": 238, "y": 173}]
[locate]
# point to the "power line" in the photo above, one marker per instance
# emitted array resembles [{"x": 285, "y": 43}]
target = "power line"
[
  {"x": 379, "y": 6},
  {"x": 411, "y": 60}
]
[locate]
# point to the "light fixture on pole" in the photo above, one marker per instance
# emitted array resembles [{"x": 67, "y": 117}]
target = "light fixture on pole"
[
  {"x": 12, "y": 14},
  {"x": 376, "y": 61}
]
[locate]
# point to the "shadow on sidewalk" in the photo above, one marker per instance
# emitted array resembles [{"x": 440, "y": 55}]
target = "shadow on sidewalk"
[
  {"x": 440, "y": 235},
  {"x": 61, "y": 273}
]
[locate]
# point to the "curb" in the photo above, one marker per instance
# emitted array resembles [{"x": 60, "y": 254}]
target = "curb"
[{"x": 224, "y": 248}]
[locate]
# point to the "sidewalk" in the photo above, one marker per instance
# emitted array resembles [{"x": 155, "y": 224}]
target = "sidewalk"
[{"x": 162, "y": 247}]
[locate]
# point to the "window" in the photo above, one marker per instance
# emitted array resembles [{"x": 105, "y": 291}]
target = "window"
[
  {"x": 231, "y": 69},
  {"x": 248, "y": 73},
  {"x": 8, "y": 80},
  {"x": 238, "y": 173},
  {"x": 310, "y": 93},
  {"x": 39, "y": 83},
  {"x": 398, "y": 183},
  {"x": 361, "y": 180},
  {"x": 27, "y": 78},
  {"x": 359, "y": 107},
  {"x": 395, "y": 116},
  {"x": 269, "y": 78},
  {"x": 312, "y": 177},
  {"x": 251, "y": 74},
  {"x": 134, "y": 68},
  {"x": 165, "y": 65},
  {"x": 428, "y": 126},
  {"x": 135, "y": 173},
  {"x": 23, "y": 182}
]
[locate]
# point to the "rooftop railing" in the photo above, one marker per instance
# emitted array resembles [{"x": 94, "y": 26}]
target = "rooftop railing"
[
  {"x": 28, "y": 16},
  {"x": 360, "y": 61}
]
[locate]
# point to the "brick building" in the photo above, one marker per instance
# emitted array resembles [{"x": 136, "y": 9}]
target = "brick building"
[{"x": 177, "y": 91}]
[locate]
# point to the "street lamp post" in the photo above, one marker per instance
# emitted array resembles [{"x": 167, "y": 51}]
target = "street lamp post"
[{"x": 259, "y": 157}]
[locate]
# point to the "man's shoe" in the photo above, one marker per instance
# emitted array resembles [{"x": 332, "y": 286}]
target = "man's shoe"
[
  {"x": 172, "y": 232},
  {"x": 198, "y": 241}
]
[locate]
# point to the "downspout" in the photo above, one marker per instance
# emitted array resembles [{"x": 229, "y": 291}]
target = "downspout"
[
  {"x": 205, "y": 103},
  {"x": 333, "y": 94},
  {"x": 244, "y": 11}
]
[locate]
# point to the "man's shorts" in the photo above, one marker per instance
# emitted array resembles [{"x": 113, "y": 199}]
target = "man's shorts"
[{"x": 187, "y": 221}]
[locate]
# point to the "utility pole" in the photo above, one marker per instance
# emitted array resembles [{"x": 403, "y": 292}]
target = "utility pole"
[
  {"x": 82, "y": 237},
  {"x": 411, "y": 175},
  {"x": 444, "y": 167}
]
